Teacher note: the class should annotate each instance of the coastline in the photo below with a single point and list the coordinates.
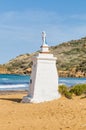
(60, 114)
(10, 92)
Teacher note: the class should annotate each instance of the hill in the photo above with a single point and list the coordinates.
(71, 59)
(3, 70)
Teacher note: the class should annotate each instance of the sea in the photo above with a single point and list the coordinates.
(21, 82)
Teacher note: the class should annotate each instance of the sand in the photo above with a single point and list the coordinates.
(61, 114)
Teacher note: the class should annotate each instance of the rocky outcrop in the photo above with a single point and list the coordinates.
(4, 70)
(71, 74)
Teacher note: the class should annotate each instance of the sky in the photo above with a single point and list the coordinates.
(22, 22)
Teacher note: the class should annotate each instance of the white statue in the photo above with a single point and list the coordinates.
(43, 38)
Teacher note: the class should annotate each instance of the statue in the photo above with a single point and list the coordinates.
(43, 38)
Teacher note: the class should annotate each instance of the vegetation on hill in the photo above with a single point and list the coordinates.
(71, 59)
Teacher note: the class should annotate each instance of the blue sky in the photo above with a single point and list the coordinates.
(22, 21)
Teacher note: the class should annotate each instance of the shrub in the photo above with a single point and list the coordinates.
(68, 94)
(62, 89)
(78, 89)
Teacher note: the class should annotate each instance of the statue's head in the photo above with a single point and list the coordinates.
(43, 34)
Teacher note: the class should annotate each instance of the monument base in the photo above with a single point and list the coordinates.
(28, 99)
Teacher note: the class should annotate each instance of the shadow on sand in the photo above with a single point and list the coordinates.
(83, 97)
(18, 100)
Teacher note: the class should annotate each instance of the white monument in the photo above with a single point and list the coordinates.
(44, 77)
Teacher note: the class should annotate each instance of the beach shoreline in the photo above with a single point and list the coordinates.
(10, 92)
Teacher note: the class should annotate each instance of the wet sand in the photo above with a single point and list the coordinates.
(61, 114)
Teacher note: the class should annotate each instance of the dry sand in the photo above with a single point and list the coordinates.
(61, 114)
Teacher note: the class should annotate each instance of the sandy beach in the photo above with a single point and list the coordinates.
(61, 114)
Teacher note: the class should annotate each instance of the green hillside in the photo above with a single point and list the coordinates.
(71, 59)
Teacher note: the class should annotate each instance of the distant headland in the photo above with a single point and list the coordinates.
(71, 60)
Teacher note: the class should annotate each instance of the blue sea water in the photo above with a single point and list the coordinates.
(14, 82)
(21, 82)
(72, 81)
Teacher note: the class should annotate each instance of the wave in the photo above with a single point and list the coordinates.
(5, 79)
(19, 82)
(14, 87)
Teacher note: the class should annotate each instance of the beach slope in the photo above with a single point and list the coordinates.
(61, 114)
